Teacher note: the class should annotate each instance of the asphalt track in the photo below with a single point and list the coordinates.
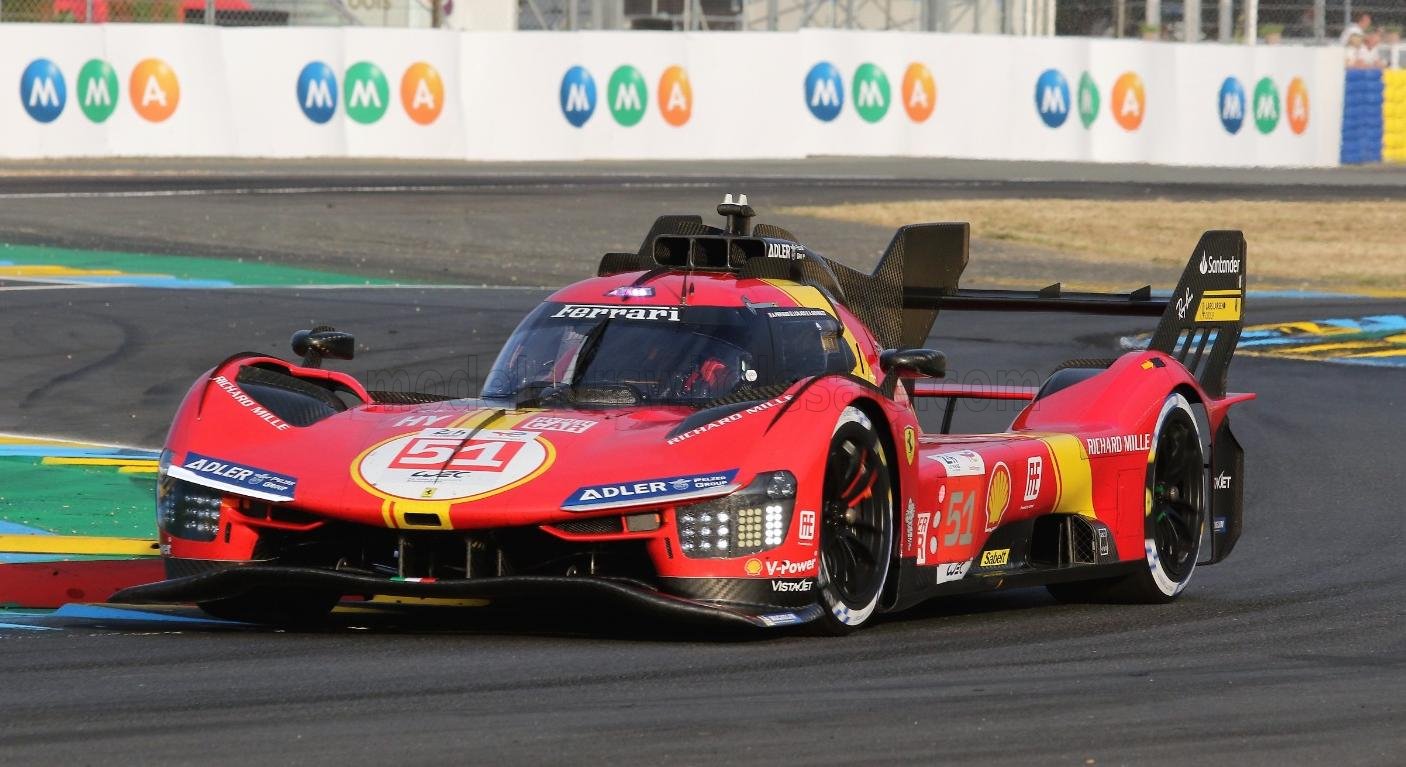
(1290, 651)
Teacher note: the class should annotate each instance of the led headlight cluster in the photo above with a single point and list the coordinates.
(750, 520)
(187, 510)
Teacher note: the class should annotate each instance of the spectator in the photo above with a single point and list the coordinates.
(1358, 27)
(1372, 51)
(1391, 39)
(1353, 52)
(1360, 55)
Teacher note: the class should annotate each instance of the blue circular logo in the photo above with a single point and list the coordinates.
(578, 96)
(825, 91)
(42, 90)
(317, 92)
(1052, 97)
(1230, 104)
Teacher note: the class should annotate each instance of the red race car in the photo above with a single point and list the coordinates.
(719, 427)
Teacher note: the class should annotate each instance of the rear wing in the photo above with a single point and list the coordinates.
(1200, 324)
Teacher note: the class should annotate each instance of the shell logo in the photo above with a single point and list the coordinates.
(422, 93)
(1297, 107)
(998, 496)
(1129, 101)
(155, 90)
(919, 94)
(675, 96)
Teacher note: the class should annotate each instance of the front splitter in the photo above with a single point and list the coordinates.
(577, 591)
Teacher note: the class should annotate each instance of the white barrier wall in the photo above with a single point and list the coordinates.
(134, 90)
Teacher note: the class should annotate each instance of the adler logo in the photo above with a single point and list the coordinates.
(1219, 265)
(784, 250)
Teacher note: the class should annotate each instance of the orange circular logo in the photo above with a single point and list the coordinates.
(1129, 101)
(919, 92)
(422, 93)
(675, 96)
(154, 89)
(1297, 106)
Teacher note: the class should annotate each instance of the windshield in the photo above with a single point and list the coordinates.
(625, 355)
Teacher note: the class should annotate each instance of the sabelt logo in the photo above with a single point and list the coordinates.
(784, 567)
(154, 90)
(366, 92)
(870, 92)
(627, 96)
(1219, 265)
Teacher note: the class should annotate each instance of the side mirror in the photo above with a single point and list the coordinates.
(322, 342)
(914, 363)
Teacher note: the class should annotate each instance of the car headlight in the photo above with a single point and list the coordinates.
(187, 510)
(750, 520)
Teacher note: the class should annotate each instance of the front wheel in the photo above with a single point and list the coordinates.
(856, 533)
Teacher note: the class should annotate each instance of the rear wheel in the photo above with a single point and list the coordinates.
(1174, 517)
(856, 533)
(274, 607)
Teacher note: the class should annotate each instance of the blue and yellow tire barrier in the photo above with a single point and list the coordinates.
(1363, 111)
(1394, 115)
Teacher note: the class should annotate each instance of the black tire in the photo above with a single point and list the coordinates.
(856, 531)
(1173, 522)
(274, 607)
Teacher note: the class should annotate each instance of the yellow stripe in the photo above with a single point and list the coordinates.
(428, 601)
(1231, 293)
(464, 421)
(1383, 353)
(809, 297)
(41, 270)
(78, 544)
(63, 461)
(11, 439)
(1075, 491)
(152, 469)
(1339, 346)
